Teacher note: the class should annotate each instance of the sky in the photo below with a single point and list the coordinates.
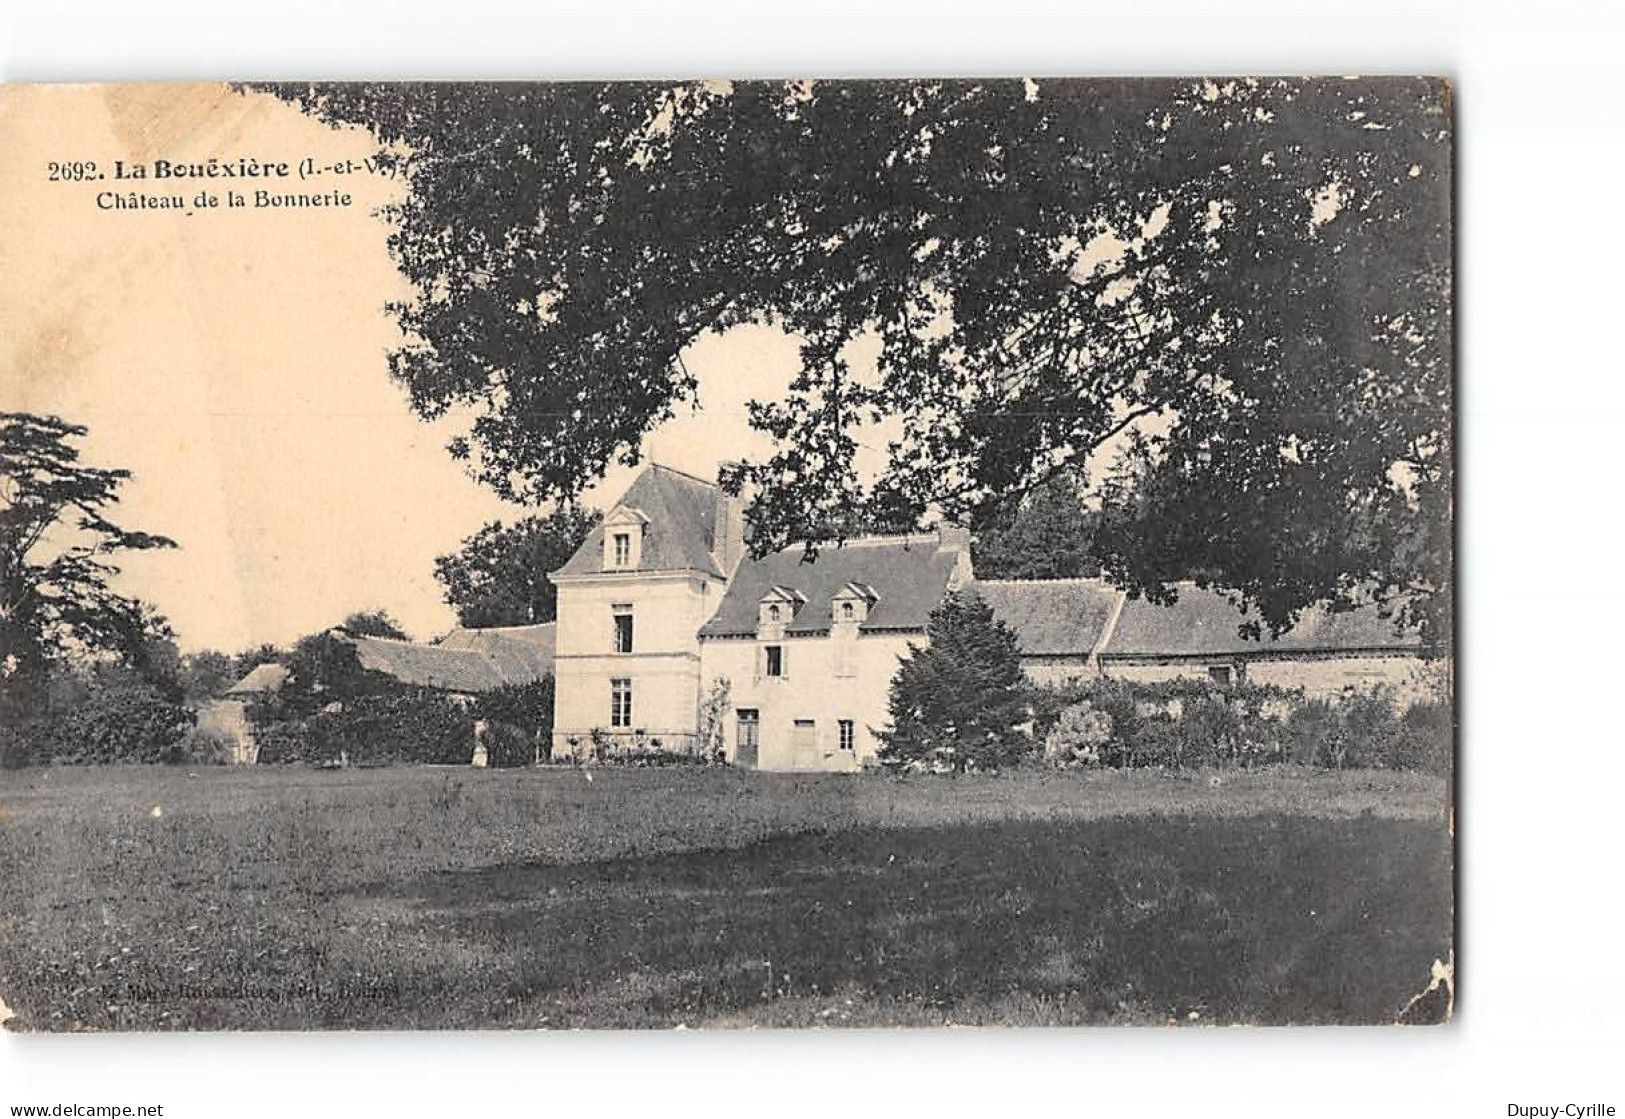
(235, 361)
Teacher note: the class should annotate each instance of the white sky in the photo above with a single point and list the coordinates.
(236, 363)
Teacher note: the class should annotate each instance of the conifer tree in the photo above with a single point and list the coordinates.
(961, 699)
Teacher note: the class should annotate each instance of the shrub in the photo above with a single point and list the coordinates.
(1314, 735)
(208, 746)
(508, 746)
(651, 756)
(714, 720)
(1426, 738)
(17, 746)
(527, 707)
(1210, 731)
(124, 723)
(1079, 734)
(1370, 726)
(1157, 743)
(425, 728)
(284, 743)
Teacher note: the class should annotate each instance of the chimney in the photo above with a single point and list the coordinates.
(952, 537)
(728, 528)
(955, 540)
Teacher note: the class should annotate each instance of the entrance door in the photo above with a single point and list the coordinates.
(750, 726)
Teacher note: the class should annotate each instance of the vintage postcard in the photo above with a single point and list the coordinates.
(731, 554)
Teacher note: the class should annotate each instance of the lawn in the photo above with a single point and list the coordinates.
(415, 897)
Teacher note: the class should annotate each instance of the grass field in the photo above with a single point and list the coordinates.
(413, 897)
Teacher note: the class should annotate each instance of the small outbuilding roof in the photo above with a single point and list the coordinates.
(264, 679)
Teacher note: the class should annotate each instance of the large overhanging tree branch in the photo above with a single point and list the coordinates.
(1261, 267)
(57, 547)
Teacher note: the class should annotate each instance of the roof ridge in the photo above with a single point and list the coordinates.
(653, 465)
(501, 629)
(869, 541)
(1084, 579)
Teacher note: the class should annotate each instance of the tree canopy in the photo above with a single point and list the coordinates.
(1250, 280)
(58, 544)
(1048, 534)
(499, 576)
(373, 623)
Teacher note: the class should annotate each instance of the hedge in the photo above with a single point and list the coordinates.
(1184, 724)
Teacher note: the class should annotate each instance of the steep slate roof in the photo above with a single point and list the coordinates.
(261, 679)
(1204, 623)
(1052, 617)
(681, 510)
(520, 653)
(909, 574)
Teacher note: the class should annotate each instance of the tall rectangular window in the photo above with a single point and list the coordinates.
(775, 660)
(623, 549)
(620, 703)
(849, 734)
(623, 628)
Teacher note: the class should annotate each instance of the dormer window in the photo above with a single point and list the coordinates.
(851, 604)
(778, 606)
(623, 539)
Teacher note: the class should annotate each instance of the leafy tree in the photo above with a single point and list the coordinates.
(323, 668)
(499, 576)
(962, 698)
(373, 623)
(1048, 534)
(57, 545)
(1260, 267)
(206, 673)
(266, 653)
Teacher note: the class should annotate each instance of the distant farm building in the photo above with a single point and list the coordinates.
(228, 715)
(464, 662)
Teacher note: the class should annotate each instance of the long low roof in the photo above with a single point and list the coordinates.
(468, 660)
(520, 653)
(1059, 617)
(1205, 623)
(1074, 617)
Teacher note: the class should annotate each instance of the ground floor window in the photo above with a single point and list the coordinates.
(848, 734)
(750, 728)
(620, 703)
(1219, 674)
